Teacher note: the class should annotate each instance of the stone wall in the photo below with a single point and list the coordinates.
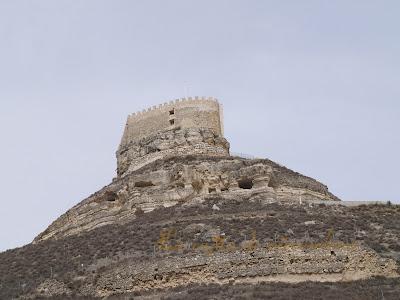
(181, 113)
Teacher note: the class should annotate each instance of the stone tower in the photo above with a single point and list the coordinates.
(180, 127)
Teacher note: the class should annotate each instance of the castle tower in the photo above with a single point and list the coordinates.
(180, 127)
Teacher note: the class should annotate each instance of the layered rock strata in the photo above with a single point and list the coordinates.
(137, 153)
(325, 263)
(167, 182)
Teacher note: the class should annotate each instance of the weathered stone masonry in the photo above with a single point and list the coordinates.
(180, 127)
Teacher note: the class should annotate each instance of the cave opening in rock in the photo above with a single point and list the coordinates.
(245, 184)
(144, 184)
(110, 196)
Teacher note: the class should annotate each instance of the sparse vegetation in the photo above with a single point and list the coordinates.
(377, 288)
(89, 254)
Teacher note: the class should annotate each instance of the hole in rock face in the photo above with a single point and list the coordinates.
(172, 122)
(333, 253)
(110, 196)
(143, 184)
(212, 190)
(172, 112)
(245, 184)
(180, 185)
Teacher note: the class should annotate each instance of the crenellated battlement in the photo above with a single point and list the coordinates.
(193, 117)
(155, 109)
(191, 112)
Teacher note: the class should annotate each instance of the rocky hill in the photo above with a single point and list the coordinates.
(185, 220)
(187, 179)
(244, 246)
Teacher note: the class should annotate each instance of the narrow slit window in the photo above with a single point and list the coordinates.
(172, 122)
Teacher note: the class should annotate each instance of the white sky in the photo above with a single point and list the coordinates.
(314, 85)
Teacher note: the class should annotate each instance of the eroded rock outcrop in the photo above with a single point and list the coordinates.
(330, 262)
(181, 178)
(163, 145)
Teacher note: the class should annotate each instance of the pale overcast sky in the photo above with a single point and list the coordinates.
(313, 85)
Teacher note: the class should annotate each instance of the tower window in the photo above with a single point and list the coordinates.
(172, 122)
(172, 112)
